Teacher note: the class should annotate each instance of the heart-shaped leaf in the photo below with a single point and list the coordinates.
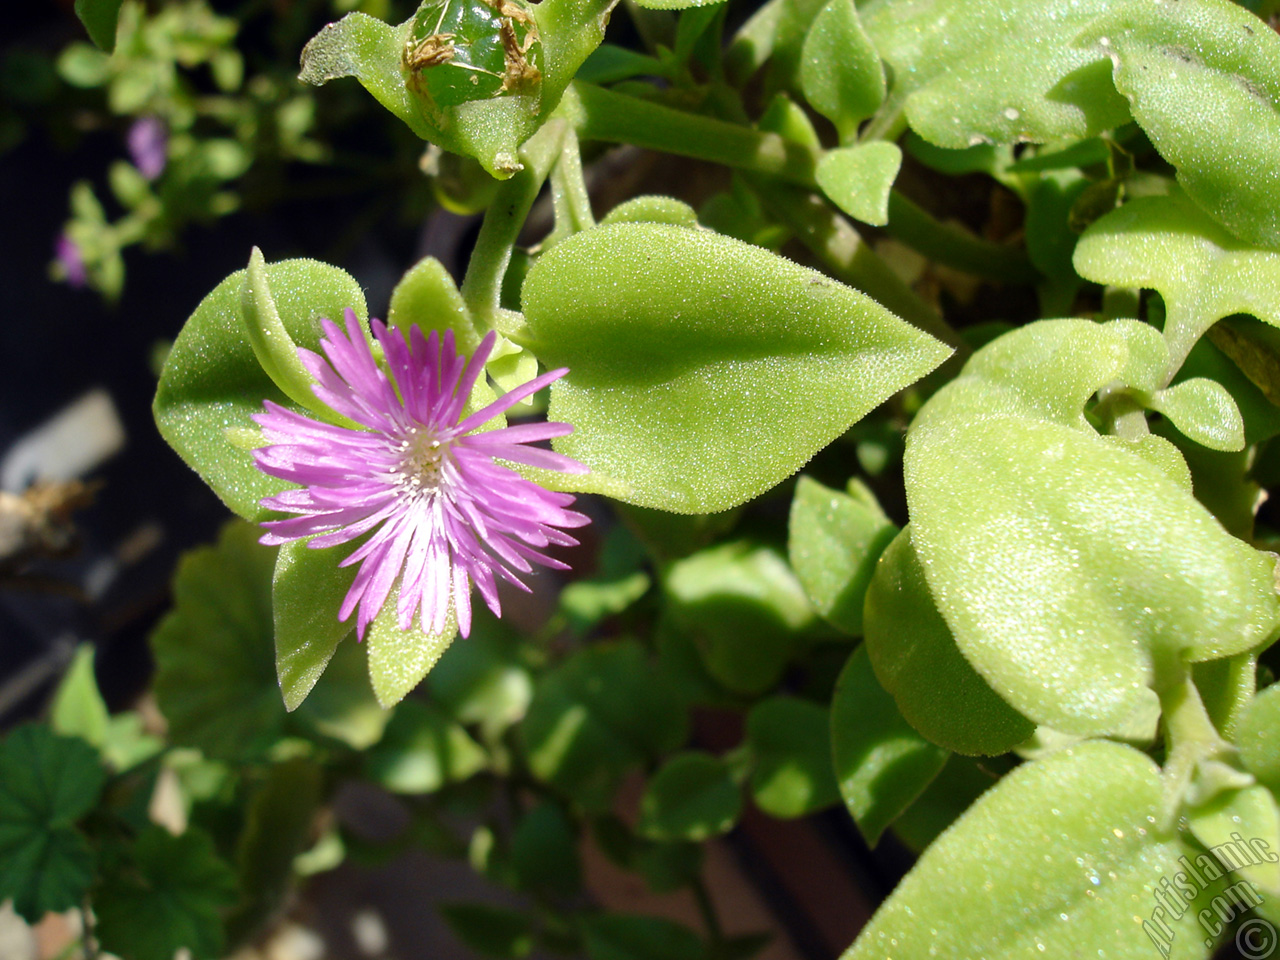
(685, 348)
(212, 383)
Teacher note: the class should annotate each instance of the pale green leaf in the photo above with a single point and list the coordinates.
(684, 348)
(916, 659)
(971, 71)
(840, 71)
(1203, 82)
(1202, 272)
(399, 659)
(1062, 859)
(834, 540)
(859, 179)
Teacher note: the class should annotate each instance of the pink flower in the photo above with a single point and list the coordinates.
(443, 513)
(148, 141)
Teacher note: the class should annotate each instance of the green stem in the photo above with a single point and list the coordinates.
(1191, 739)
(850, 259)
(616, 118)
(482, 285)
(954, 247)
(604, 115)
(569, 195)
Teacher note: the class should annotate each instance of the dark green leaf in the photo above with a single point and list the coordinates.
(278, 824)
(790, 743)
(544, 851)
(493, 931)
(422, 750)
(602, 711)
(165, 893)
(617, 936)
(47, 783)
(100, 18)
(214, 678)
(692, 797)
(881, 762)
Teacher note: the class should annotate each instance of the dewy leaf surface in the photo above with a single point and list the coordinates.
(1202, 272)
(212, 383)
(1203, 81)
(703, 370)
(1061, 859)
(1064, 563)
(916, 659)
(994, 70)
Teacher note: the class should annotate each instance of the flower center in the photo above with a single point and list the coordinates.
(422, 457)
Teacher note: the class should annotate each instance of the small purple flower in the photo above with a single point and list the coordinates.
(445, 513)
(148, 141)
(67, 253)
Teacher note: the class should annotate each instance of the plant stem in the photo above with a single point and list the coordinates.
(954, 247)
(604, 115)
(601, 114)
(482, 285)
(569, 194)
(92, 949)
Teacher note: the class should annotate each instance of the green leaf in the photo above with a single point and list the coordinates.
(212, 383)
(833, 542)
(1257, 740)
(675, 4)
(492, 931)
(653, 209)
(422, 750)
(165, 893)
(1232, 825)
(745, 610)
(881, 763)
(859, 179)
(684, 348)
(840, 71)
(1074, 870)
(278, 822)
(993, 70)
(426, 297)
(692, 797)
(466, 111)
(1242, 354)
(307, 589)
(47, 783)
(1202, 272)
(544, 850)
(78, 709)
(214, 681)
(788, 738)
(1005, 479)
(483, 680)
(952, 792)
(100, 18)
(399, 659)
(1204, 411)
(592, 718)
(618, 936)
(1203, 81)
(343, 707)
(916, 659)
